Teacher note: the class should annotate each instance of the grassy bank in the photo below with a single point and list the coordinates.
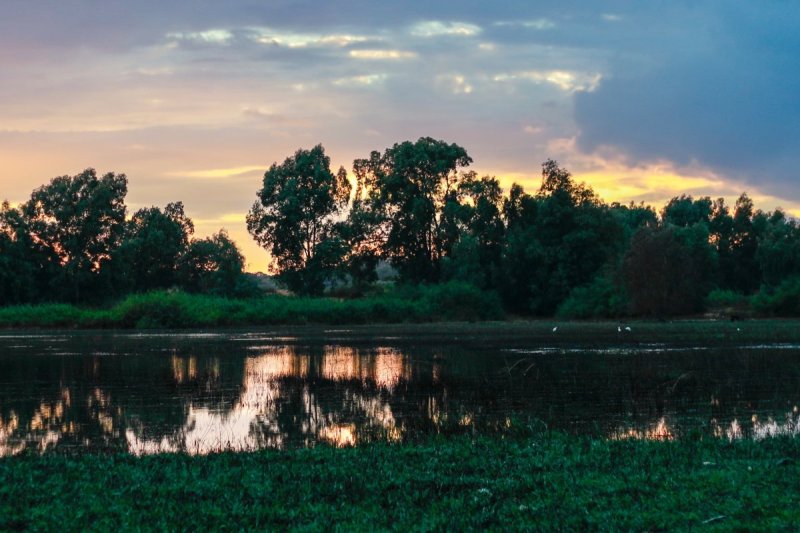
(549, 481)
(452, 301)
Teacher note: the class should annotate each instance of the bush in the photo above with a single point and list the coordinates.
(42, 316)
(600, 299)
(163, 309)
(457, 300)
(783, 301)
(166, 309)
(725, 298)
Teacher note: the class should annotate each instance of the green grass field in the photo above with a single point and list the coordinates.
(533, 482)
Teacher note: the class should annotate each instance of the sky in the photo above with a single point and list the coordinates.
(194, 100)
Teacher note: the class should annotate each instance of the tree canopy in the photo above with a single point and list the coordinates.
(409, 188)
(71, 242)
(294, 218)
(416, 209)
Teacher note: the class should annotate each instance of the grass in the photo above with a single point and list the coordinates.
(419, 312)
(162, 309)
(548, 481)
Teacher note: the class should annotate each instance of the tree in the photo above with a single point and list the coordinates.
(746, 274)
(778, 253)
(213, 265)
(18, 265)
(474, 221)
(408, 188)
(154, 242)
(666, 270)
(683, 211)
(78, 220)
(294, 218)
(721, 236)
(556, 241)
(633, 217)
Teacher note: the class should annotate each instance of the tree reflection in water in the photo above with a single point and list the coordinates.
(200, 394)
(286, 398)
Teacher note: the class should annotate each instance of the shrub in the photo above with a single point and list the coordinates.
(601, 298)
(783, 301)
(457, 300)
(725, 298)
(167, 309)
(43, 316)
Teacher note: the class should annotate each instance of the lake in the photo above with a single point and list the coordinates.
(202, 392)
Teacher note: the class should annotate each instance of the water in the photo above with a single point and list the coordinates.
(205, 392)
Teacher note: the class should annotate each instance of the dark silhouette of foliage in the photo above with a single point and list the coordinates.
(77, 221)
(475, 257)
(154, 243)
(18, 265)
(684, 211)
(294, 218)
(632, 217)
(408, 188)
(745, 273)
(778, 253)
(418, 213)
(213, 265)
(783, 300)
(557, 240)
(603, 297)
(71, 242)
(666, 271)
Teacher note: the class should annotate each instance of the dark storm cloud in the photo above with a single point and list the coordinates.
(725, 96)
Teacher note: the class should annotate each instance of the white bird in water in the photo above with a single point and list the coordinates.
(555, 329)
(628, 329)
(619, 329)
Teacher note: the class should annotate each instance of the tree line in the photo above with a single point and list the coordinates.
(72, 242)
(557, 250)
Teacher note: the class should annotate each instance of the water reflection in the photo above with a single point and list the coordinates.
(205, 393)
(771, 428)
(659, 431)
(268, 395)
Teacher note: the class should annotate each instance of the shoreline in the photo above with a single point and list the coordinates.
(679, 331)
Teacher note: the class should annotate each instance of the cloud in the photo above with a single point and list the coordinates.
(435, 28)
(213, 36)
(363, 80)
(455, 83)
(564, 80)
(647, 93)
(725, 99)
(537, 24)
(303, 40)
(382, 54)
(216, 173)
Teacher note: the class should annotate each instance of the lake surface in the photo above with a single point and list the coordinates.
(205, 392)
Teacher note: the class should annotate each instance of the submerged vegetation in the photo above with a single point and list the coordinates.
(521, 481)
(559, 251)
